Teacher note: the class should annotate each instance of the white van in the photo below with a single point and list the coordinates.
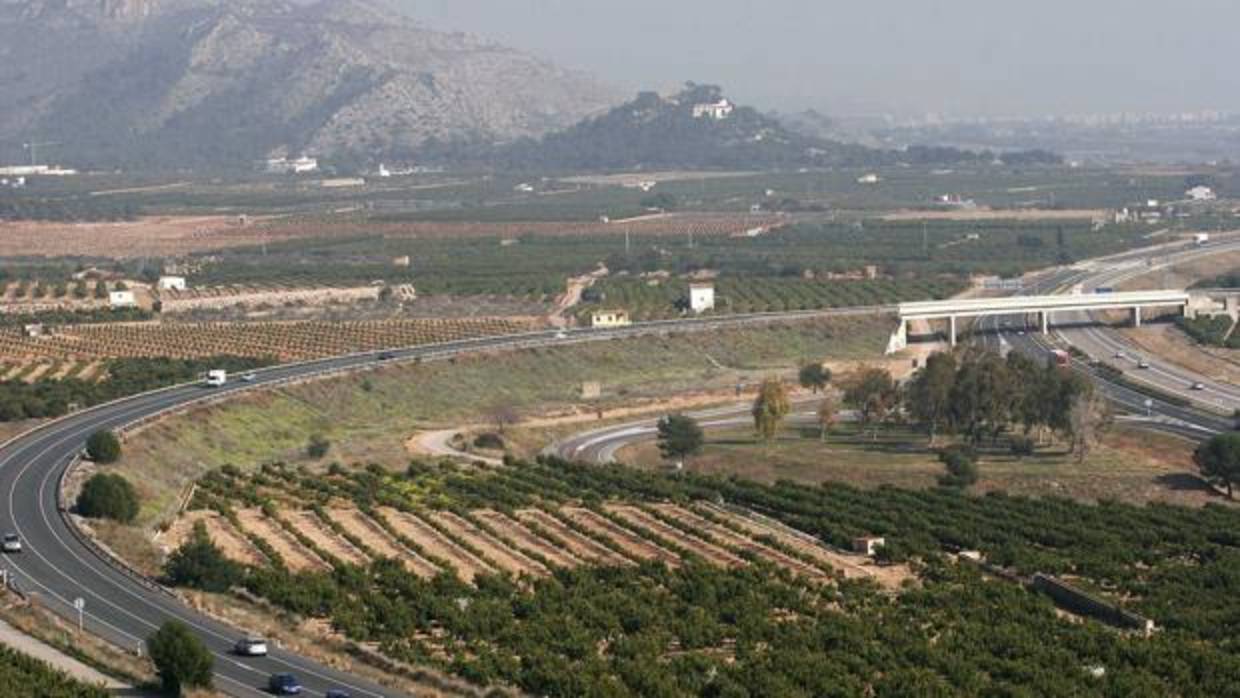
(216, 378)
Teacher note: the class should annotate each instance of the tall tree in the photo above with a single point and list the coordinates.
(928, 397)
(181, 659)
(828, 414)
(1219, 460)
(680, 436)
(814, 376)
(770, 408)
(873, 393)
(1089, 418)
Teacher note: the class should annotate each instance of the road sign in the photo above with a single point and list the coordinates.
(1149, 407)
(80, 604)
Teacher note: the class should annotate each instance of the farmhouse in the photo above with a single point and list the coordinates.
(1200, 193)
(715, 110)
(868, 545)
(610, 318)
(122, 299)
(172, 283)
(301, 165)
(868, 178)
(701, 297)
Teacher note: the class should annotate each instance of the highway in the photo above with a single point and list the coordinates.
(60, 566)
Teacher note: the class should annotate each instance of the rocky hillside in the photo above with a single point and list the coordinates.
(227, 82)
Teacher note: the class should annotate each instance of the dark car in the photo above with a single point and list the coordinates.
(335, 693)
(387, 356)
(284, 685)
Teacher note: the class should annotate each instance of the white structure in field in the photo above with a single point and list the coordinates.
(715, 110)
(301, 165)
(701, 297)
(610, 318)
(122, 299)
(172, 283)
(868, 178)
(1200, 193)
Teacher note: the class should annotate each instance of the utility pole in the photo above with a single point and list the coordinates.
(925, 239)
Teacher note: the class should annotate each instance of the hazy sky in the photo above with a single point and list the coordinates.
(955, 56)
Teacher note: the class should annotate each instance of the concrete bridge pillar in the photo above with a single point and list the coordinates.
(1044, 319)
(899, 338)
(1136, 316)
(951, 322)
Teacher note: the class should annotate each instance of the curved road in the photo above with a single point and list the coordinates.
(124, 608)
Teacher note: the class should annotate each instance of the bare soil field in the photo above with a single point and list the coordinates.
(630, 542)
(435, 544)
(507, 558)
(639, 519)
(381, 542)
(582, 547)
(295, 555)
(151, 236)
(226, 538)
(307, 523)
(736, 541)
(522, 537)
(632, 180)
(983, 214)
(851, 566)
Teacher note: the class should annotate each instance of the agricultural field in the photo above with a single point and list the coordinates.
(283, 341)
(656, 299)
(563, 580)
(22, 675)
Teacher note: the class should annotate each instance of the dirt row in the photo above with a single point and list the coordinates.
(530, 542)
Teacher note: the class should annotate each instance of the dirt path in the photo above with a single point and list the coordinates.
(503, 556)
(439, 445)
(639, 518)
(738, 542)
(633, 544)
(380, 541)
(309, 525)
(582, 547)
(525, 539)
(466, 565)
(295, 555)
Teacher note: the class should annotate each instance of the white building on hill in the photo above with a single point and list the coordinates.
(122, 299)
(1200, 193)
(701, 297)
(715, 110)
(172, 283)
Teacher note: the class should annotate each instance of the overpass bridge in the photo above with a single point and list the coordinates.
(1044, 306)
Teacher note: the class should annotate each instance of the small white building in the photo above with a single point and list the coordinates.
(868, 545)
(610, 318)
(714, 110)
(868, 178)
(301, 165)
(172, 283)
(701, 297)
(1200, 193)
(524, 188)
(122, 299)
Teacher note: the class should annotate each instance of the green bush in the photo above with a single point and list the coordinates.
(489, 440)
(181, 659)
(103, 447)
(1021, 446)
(318, 446)
(961, 468)
(198, 564)
(108, 496)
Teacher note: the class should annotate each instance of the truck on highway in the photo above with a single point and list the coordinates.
(216, 378)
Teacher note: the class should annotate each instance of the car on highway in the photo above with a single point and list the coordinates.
(284, 684)
(249, 377)
(1197, 386)
(251, 646)
(561, 335)
(386, 356)
(335, 693)
(1143, 364)
(1119, 354)
(11, 543)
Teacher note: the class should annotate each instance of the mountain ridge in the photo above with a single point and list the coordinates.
(201, 82)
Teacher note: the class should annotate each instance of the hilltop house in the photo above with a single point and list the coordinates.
(715, 110)
(610, 318)
(701, 297)
(1200, 193)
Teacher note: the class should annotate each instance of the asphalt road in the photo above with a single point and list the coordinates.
(124, 608)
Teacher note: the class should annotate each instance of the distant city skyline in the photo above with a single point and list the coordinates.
(955, 57)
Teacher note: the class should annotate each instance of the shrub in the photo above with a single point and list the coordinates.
(108, 496)
(198, 564)
(1021, 446)
(318, 446)
(489, 440)
(103, 447)
(961, 468)
(181, 659)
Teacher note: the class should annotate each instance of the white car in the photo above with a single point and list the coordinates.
(251, 647)
(561, 335)
(11, 544)
(1197, 386)
(249, 377)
